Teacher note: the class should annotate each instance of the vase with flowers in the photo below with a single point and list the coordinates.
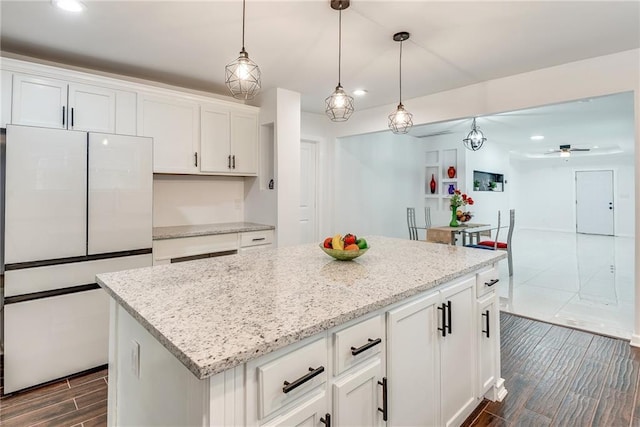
(458, 199)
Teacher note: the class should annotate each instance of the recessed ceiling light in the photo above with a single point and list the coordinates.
(537, 137)
(595, 146)
(359, 92)
(69, 5)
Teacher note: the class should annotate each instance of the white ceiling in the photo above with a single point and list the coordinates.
(295, 43)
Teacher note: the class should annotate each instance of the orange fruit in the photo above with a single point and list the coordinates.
(352, 247)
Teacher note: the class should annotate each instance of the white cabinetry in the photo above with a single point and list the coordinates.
(431, 358)
(45, 102)
(173, 125)
(253, 240)
(229, 140)
(355, 396)
(488, 335)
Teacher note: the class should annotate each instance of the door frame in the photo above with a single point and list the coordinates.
(614, 184)
(316, 211)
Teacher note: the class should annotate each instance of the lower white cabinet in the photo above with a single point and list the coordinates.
(311, 413)
(488, 342)
(431, 358)
(355, 396)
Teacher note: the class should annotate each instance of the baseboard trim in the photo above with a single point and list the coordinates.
(635, 340)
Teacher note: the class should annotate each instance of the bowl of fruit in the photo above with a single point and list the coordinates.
(464, 216)
(344, 248)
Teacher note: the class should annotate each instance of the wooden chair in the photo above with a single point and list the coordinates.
(497, 245)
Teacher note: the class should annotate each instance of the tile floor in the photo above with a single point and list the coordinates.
(578, 280)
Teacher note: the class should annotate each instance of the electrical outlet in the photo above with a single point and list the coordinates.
(135, 358)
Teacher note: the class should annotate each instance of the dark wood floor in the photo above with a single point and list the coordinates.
(555, 376)
(558, 376)
(77, 401)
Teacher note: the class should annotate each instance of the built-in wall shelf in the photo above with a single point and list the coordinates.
(488, 181)
(446, 167)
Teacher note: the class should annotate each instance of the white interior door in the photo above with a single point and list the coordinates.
(594, 202)
(120, 193)
(308, 192)
(46, 194)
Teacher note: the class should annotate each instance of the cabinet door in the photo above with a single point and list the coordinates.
(458, 353)
(244, 143)
(39, 102)
(173, 125)
(488, 344)
(355, 397)
(215, 140)
(413, 353)
(307, 414)
(91, 108)
(120, 193)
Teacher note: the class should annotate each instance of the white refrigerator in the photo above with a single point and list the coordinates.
(76, 204)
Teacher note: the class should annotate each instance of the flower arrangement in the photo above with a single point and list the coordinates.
(459, 199)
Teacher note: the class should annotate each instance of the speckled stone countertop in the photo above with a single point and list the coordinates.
(161, 233)
(216, 313)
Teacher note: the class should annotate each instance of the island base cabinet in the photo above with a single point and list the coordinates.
(355, 397)
(488, 343)
(312, 413)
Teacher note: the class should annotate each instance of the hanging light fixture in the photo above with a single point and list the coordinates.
(339, 105)
(242, 76)
(475, 138)
(400, 120)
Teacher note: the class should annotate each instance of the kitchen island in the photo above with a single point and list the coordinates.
(285, 336)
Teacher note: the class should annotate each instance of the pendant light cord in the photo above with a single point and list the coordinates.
(401, 72)
(339, 42)
(243, 8)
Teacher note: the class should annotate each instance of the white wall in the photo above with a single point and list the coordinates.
(376, 177)
(544, 191)
(191, 200)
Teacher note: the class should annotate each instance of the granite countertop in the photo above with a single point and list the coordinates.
(217, 313)
(161, 233)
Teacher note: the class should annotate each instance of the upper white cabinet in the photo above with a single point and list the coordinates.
(173, 125)
(45, 102)
(229, 140)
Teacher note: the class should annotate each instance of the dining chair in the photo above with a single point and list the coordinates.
(411, 223)
(496, 244)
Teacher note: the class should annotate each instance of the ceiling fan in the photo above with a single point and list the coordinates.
(565, 150)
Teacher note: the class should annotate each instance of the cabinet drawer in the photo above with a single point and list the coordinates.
(190, 246)
(254, 238)
(357, 343)
(486, 281)
(291, 376)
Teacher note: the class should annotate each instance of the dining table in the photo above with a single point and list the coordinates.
(448, 235)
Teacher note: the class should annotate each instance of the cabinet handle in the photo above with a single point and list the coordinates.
(63, 114)
(491, 282)
(449, 317)
(442, 308)
(297, 383)
(229, 162)
(326, 420)
(384, 409)
(486, 316)
(258, 239)
(195, 156)
(367, 346)
(72, 116)
(234, 161)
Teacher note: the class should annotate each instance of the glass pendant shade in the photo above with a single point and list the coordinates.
(475, 138)
(242, 77)
(339, 105)
(400, 120)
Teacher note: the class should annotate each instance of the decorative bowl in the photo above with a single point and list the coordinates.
(343, 255)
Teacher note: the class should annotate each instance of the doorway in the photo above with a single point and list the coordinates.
(594, 202)
(308, 191)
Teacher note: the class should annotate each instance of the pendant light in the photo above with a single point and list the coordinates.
(475, 138)
(400, 120)
(242, 76)
(339, 105)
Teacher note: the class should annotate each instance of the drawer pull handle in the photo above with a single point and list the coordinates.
(229, 161)
(258, 239)
(297, 383)
(326, 420)
(234, 161)
(384, 409)
(443, 310)
(491, 282)
(486, 316)
(367, 346)
(449, 317)
(63, 114)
